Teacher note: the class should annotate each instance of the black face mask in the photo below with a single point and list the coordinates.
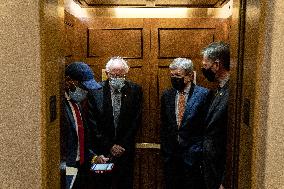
(209, 74)
(178, 83)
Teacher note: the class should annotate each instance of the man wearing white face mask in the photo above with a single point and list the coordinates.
(117, 111)
(76, 149)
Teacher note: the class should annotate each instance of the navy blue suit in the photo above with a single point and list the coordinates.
(69, 145)
(182, 159)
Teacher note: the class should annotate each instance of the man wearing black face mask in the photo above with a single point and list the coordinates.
(76, 151)
(117, 111)
(216, 67)
(181, 128)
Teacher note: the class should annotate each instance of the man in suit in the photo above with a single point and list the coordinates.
(76, 153)
(216, 68)
(117, 111)
(181, 128)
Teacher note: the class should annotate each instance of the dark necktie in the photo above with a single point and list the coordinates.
(80, 131)
(181, 107)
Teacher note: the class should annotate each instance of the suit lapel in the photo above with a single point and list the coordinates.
(124, 98)
(172, 105)
(189, 104)
(107, 103)
(99, 99)
(70, 114)
(216, 102)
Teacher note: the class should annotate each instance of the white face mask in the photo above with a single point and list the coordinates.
(116, 83)
(78, 95)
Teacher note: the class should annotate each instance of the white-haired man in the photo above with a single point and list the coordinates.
(116, 109)
(182, 114)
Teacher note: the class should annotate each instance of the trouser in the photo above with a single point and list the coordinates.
(179, 175)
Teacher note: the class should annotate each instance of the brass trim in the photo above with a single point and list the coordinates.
(148, 145)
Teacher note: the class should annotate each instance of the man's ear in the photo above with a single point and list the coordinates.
(190, 76)
(106, 72)
(218, 64)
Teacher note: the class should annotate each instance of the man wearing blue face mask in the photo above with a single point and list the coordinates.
(76, 149)
(117, 111)
(182, 116)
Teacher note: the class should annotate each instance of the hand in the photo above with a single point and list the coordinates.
(117, 150)
(221, 187)
(101, 159)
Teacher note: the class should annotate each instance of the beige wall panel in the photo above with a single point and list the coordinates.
(274, 172)
(30, 58)
(20, 111)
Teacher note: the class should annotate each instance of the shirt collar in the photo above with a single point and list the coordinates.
(187, 89)
(224, 81)
(67, 96)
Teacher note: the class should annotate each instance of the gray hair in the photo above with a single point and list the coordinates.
(218, 51)
(117, 59)
(182, 63)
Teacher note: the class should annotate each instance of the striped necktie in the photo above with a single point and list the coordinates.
(181, 107)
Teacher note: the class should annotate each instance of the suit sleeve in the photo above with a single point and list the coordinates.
(136, 115)
(91, 129)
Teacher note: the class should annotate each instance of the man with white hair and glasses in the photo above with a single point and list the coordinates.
(116, 109)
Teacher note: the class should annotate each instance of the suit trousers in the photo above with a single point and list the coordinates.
(179, 175)
(81, 181)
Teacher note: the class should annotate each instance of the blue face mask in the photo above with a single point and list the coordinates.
(78, 95)
(117, 83)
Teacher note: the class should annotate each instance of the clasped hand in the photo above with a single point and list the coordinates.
(117, 150)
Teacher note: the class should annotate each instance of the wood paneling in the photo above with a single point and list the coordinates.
(103, 42)
(176, 42)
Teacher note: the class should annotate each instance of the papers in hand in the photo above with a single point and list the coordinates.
(71, 173)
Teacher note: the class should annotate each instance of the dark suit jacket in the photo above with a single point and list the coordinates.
(101, 113)
(69, 138)
(214, 145)
(190, 130)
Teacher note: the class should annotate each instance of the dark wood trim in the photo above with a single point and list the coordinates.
(68, 23)
(184, 6)
(236, 106)
(112, 5)
(220, 3)
(84, 4)
(88, 45)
